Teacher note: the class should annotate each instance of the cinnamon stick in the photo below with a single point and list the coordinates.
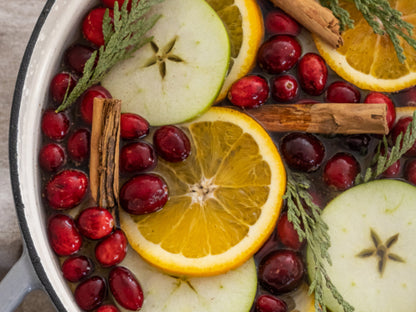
(104, 158)
(314, 17)
(338, 118)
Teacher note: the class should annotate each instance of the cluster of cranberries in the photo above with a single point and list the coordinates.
(285, 75)
(64, 159)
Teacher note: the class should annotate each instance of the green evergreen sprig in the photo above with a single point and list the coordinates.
(381, 17)
(310, 226)
(123, 35)
(383, 159)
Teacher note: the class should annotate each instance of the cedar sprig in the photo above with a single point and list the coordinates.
(310, 226)
(381, 17)
(383, 159)
(122, 37)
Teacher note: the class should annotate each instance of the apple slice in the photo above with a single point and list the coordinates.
(233, 291)
(179, 74)
(373, 229)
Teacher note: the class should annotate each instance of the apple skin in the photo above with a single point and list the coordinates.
(385, 207)
(178, 76)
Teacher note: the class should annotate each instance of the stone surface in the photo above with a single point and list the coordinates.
(17, 19)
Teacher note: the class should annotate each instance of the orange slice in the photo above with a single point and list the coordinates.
(369, 60)
(224, 199)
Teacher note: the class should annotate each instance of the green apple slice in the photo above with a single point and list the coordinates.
(373, 230)
(179, 74)
(233, 291)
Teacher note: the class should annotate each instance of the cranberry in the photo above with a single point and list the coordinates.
(138, 156)
(77, 55)
(313, 73)
(340, 171)
(287, 233)
(279, 54)
(377, 97)
(92, 26)
(90, 293)
(410, 171)
(281, 271)
(108, 308)
(51, 157)
(111, 250)
(133, 126)
(267, 303)
(171, 143)
(63, 236)
(95, 222)
(279, 23)
(284, 88)
(60, 84)
(249, 92)
(54, 125)
(358, 142)
(78, 145)
(125, 288)
(407, 97)
(342, 92)
(143, 194)
(302, 151)
(66, 189)
(87, 100)
(76, 268)
(400, 128)
(393, 171)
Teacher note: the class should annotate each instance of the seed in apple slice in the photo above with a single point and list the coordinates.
(373, 229)
(233, 291)
(178, 75)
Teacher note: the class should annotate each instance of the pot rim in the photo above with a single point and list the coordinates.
(13, 157)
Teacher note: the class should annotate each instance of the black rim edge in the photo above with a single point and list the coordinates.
(14, 174)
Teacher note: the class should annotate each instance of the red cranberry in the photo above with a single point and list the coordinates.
(125, 288)
(267, 303)
(287, 233)
(410, 171)
(78, 145)
(92, 26)
(111, 250)
(278, 54)
(76, 268)
(87, 100)
(249, 92)
(63, 236)
(302, 151)
(108, 308)
(358, 142)
(95, 222)
(284, 88)
(377, 97)
(77, 55)
(171, 143)
(393, 171)
(110, 3)
(60, 84)
(279, 23)
(400, 128)
(143, 194)
(66, 189)
(90, 293)
(133, 126)
(51, 157)
(138, 156)
(54, 125)
(313, 73)
(342, 92)
(281, 271)
(407, 97)
(340, 171)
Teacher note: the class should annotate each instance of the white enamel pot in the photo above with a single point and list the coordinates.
(56, 28)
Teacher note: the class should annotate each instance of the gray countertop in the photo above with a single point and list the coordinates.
(17, 19)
